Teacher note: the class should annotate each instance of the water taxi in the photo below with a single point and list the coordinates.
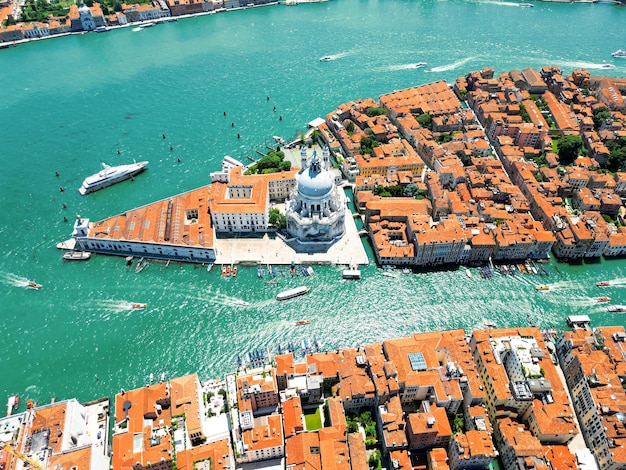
(137, 306)
(616, 308)
(543, 287)
(291, 293)
(76, 255)
(303, 322)
(33, 285)
(603, 299)
(602, 284)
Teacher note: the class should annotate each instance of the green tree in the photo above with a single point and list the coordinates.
(277, 219)
(411, 190)
(616, 159)
(285, 165)
(374, 111)
(600, 115)
(568, 148)
(350, 127)
(425, 120)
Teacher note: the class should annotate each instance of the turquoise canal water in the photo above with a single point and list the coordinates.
(68, 104)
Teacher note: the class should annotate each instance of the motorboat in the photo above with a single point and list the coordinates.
(619, 53)
(13, 404)
(603, 299)
(291, 293)
(279, 140)
(76, 255)
(101, 29)
(137, 306)
(468, 273)
(352, 273)
(602, 284)
(607, 66)
(110, 175)
(33, 285)
(420, 65)
(326, 58)
(616, 308)
(389, 274)
(489, 324)
(303, 322)
(543, 287)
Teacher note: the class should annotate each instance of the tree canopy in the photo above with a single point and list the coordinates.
(568, 148)
(273, 162)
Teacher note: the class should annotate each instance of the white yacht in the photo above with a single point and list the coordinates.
(291, 293)
(619, 53)
(110, 175)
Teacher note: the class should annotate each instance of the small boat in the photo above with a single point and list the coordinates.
(137, 306)
(12, 404)
(603, 299)
(607, 66)
(602, 284)
(420, 65)
(616, 308)
(234, 271)
(279, 140)
(303, 322)
(149, 24)
(352, 273)
(141, 265)
(291, 293)
(241, 303)
(33, 285)
(543, 287)
(406, 271)
(526, 5)
(619, 53)
(101, 29)
(389, 274)
(489, 324)
(326, 58)
(468, 273)
(76, 255)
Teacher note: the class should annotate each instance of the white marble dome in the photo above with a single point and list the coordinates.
(315, 183)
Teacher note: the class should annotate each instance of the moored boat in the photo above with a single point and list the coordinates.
(602, 284)
(543, 287)
(110, 175)
(303, 322)
(468, 273)
(291, 293)
(603, 299)
(352, 273)
(76, 255)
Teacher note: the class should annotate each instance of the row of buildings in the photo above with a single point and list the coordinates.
(91, 18)
(438, 400)
(470, 153)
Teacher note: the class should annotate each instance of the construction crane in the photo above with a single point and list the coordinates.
(24, 458)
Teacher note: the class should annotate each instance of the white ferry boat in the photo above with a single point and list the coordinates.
(619, 53)
(110, 175)
(291, 293)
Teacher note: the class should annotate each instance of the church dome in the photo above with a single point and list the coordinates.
(315, 182)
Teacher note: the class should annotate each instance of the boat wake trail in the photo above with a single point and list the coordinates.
(114, 306)
(216, 298)
(504, 4)
(619, 282)
(582, 64)
(14, 280)
(404, 67)
(454, 65)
